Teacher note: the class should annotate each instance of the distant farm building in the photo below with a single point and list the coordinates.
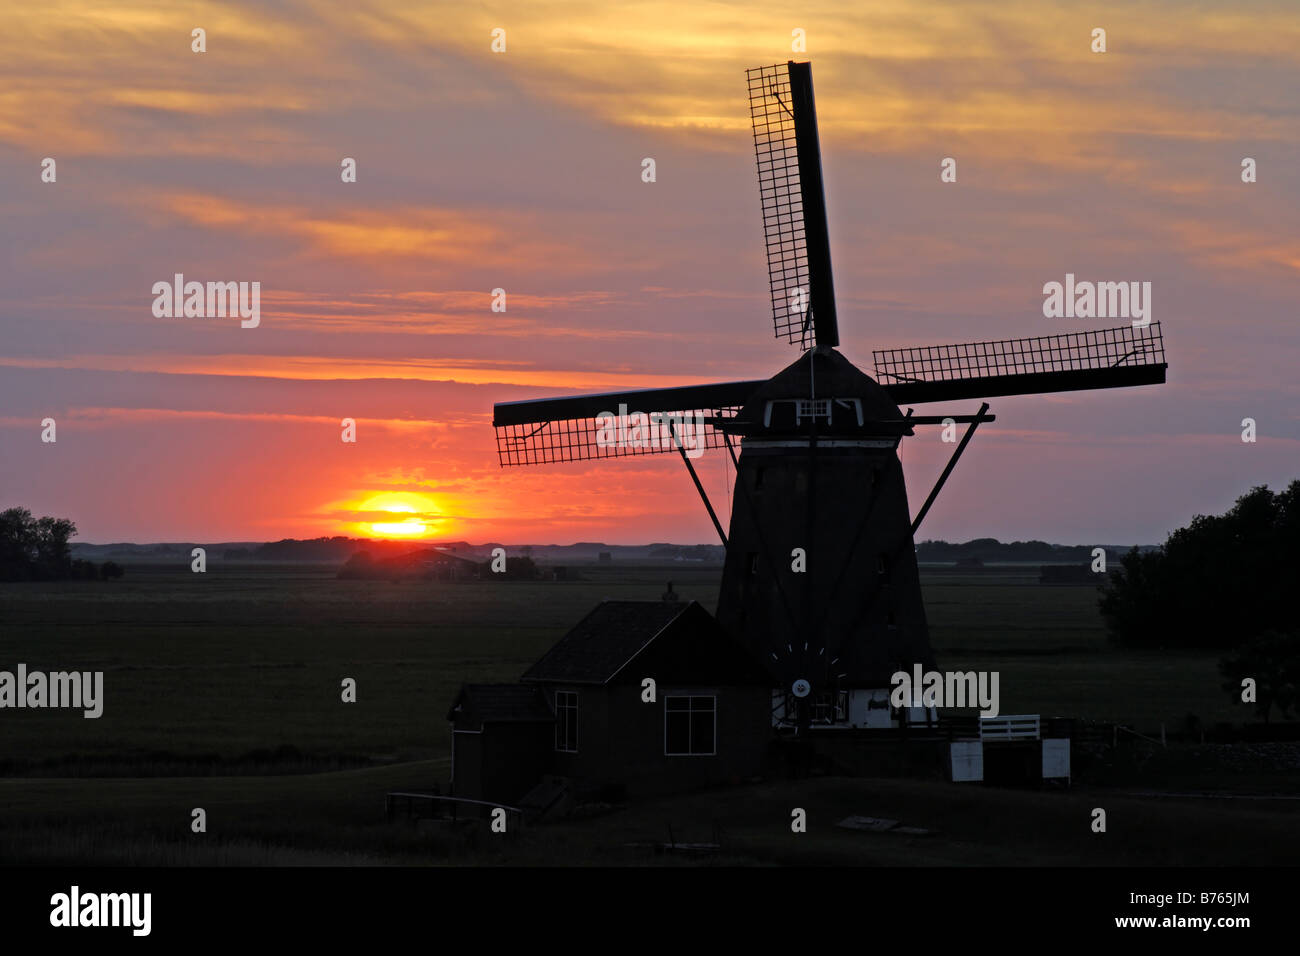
(427, 564)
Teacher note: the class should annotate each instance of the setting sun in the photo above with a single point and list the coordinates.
(411, 527)
(418, 515)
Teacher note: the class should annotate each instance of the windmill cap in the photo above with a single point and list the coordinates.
(824, 373)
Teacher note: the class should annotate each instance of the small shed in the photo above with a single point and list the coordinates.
(501, 736)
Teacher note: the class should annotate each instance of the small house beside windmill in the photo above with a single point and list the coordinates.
(639, 697)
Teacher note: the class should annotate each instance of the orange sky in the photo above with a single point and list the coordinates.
(521, 170)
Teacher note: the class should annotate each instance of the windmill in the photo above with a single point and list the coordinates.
(820, 579)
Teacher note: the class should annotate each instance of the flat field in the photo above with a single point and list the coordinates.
(223, 692)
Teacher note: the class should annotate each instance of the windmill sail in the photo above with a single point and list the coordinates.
(1102, 358)
(786, 147)
(616, 424)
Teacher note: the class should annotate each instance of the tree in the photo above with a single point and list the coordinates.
(53, 553)
(17, 547)
(34, 549)
(110, 570)
(1217, 583)
(80, 570)
(1272, 660)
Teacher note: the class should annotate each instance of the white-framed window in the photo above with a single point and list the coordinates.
(566, 721)
(690, 725)
(831, 707)
(824, 709)
(812, 409)
(809, 409)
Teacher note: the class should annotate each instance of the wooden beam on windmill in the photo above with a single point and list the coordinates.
(821, 287)
(974, 423)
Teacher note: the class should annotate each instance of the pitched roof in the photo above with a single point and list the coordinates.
(499, 703)
(606, 639)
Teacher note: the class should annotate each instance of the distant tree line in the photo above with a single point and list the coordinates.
(37, 549)
(1225, 582)
(337, 548)
(690, 552)
(991, 550)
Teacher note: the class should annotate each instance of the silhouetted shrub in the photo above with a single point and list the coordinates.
(34, 549)
(1272, 660)
(1218, 583)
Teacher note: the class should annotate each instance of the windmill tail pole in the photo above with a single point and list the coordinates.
(672, 428)
(952, 463)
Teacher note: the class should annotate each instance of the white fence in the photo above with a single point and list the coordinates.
(1010, 727)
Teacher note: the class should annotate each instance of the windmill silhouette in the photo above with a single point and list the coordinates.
(820, 580)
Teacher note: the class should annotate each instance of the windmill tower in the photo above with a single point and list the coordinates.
(820, 580)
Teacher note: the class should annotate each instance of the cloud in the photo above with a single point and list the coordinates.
(321, 369)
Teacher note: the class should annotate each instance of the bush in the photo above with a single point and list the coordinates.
(35, 549)
(1217, 583)
(1272, 660)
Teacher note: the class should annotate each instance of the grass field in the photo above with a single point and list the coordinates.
(223, 691)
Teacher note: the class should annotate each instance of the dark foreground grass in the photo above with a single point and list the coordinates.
(336, 819)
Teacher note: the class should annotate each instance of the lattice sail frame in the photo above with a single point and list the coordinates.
(622, 435)
(777, 154)
(1099, 349)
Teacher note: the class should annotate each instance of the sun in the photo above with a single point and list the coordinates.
(410, 528)
(421, 510)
